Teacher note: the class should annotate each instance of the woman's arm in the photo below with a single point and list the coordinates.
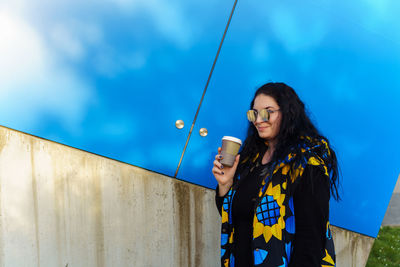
(311, 206)
(219, 201)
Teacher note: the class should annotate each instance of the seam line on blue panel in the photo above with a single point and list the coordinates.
(205, 88)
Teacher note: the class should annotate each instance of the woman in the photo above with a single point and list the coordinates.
(274, 200)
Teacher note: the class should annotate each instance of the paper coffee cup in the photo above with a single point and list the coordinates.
(229, 150)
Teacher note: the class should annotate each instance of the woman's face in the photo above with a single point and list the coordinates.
(268, 130)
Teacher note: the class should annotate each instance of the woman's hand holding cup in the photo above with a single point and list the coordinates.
(224, 174)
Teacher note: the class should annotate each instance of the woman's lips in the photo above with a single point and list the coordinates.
(261, 128)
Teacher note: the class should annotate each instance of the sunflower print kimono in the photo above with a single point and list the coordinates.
(274, 218)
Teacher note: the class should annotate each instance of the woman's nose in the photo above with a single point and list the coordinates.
(258, 119)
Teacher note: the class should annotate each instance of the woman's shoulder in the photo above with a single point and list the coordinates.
(316, 154)
(310, 147)
(318, 162)
(314, 151)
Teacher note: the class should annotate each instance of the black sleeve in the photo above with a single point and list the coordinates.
(311, 209)
(219, 200)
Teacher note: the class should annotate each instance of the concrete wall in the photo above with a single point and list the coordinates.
(397, 187)
(392, 215)
(352, 249)
(60, 206)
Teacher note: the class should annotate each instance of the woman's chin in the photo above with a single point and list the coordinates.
(263, 136)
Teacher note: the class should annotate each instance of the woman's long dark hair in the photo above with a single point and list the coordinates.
(295, 123)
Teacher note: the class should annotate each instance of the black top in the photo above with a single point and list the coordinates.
(311, 206)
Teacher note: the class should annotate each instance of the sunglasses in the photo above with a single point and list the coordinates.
(264, 113)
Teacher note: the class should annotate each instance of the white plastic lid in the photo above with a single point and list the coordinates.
(233, 139)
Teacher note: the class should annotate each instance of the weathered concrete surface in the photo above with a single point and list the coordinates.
(392, 215)
(397, 187)
(352, 249)
(60, 205)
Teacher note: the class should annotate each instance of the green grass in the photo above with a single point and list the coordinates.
(386, 248)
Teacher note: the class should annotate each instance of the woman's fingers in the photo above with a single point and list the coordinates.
(223, 174)
(218, 164)
(217, 170)
(218, 157)
(236, 160)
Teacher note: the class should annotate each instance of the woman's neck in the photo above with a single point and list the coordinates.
(269, 153)
(267, 156)
(272, 144)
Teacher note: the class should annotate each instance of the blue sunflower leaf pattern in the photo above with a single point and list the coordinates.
(328, 233)
(224, 239)
(226, 204)
(291, 205)
(290, 225)
(259, 256)
(288, 247)
(232, 260)
(284, 262)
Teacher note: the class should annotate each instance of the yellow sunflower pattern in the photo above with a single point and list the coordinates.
(275, 199)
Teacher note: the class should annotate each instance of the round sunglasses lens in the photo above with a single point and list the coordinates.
(264, 115)
(251, 115)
